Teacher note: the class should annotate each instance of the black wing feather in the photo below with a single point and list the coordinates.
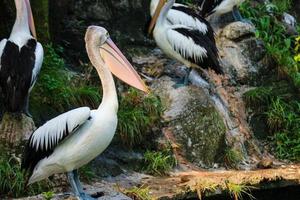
(207, 6)
(32, 155)
(189, 11)
(212, 58)
(16, 74)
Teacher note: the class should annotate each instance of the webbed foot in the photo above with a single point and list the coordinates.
(84, 196)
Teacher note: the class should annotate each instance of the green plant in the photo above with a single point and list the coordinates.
(202, 186)
(13, 179)
(138, 193)
(232, 157)
(276, 101)
(238, 190)
(159, 163)
(137, 115)
(87, 173)
(48, 195)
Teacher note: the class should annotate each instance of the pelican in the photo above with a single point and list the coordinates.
(182, 14)
(186, 44)
(74, 138)
(21, 58)
(220, 7)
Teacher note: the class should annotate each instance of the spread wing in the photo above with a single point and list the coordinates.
(194, 46)
(46, 138)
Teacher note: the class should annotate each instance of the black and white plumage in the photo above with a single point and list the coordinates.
(21, 58)
(183, 15)
(45, 139)
(186, 44)
(217, 7)
(73, 139)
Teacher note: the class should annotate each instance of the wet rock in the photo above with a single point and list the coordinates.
(197, 126)
(243, 56)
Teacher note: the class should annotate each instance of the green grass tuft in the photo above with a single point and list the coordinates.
(159, 163)
(239, 190)
(138, 114)
(13, 179)
(138, 193)
(233, 158)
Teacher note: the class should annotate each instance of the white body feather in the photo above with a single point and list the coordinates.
(177, 17)
(225, 6)
(168, 39)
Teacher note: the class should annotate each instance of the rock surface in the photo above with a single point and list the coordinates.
(125, 20)
(14, 128)
(243, 55)
(194, 121)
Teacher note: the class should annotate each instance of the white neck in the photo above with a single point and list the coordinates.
(21, 25)
(164, 12)
(110, 98)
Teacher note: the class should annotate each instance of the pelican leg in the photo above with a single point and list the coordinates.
(77, 181)
(82, 194)
(26, 109)
(236, 14)
(238, 17)
(73, 184)
(185, 80)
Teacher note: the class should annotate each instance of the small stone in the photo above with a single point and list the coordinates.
(265, 163)
(237, 30)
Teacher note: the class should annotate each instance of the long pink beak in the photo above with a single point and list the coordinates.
(120, 66)
(30, 19)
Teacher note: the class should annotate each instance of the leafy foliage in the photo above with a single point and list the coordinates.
(48, 195)
(277, 101)
(158, 163)
(273, 33)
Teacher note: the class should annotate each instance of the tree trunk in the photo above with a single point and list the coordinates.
(14, 128)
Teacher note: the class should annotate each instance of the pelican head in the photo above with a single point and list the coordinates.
(112, 57)
(24, 6)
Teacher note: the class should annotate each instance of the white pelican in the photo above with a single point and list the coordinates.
(21, 60)
(182, 14)
(220, 7)
(74, 138)
(186, 44)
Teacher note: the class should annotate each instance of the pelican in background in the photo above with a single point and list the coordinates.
(182, 14)
(220, 7)
(21, 60)
(74, 138)
(186, 44)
